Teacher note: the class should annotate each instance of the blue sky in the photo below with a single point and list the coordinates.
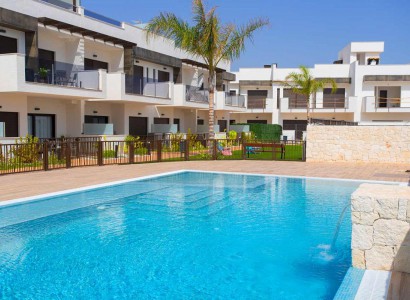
(301, 32)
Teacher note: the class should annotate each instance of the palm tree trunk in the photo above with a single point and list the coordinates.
(211, 117)
(308, 110)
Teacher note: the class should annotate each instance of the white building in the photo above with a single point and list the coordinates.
(368, 91)
(68, 71)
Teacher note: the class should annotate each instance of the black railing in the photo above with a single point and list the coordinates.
(102, 18)
(196, 94)
(70, 153)
(61, 4)
(235, 100)
(146, 86)
(62, 74)
(333, 122)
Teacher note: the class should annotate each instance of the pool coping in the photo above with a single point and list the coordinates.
(369, 280)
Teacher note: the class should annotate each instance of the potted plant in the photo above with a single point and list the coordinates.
(43, 73)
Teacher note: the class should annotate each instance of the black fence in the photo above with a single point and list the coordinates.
(70, 153)
(333, 122)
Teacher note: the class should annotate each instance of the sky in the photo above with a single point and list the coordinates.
(301, 32)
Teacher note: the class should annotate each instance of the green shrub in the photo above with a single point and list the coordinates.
(27, 151)
(232, 135)
(269, 132)
(109, 153)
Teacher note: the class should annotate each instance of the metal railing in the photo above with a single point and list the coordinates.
(63, 74)
(382, 102)
(146, 87)
(333, 122)
(325, 104)
(62, 4)
(102, 18)
(71, 153)
(235, 100)
(196, 94)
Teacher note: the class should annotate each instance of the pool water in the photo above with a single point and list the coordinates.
(182, 236)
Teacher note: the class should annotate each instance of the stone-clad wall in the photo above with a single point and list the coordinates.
(381, 227)
(358, 143)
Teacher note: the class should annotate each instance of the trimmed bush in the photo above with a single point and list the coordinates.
(269, 132)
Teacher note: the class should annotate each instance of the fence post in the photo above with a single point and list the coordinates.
(304, 151)
(131, 153)
(214, 151)
(45, 156)
(243, 149)
(187, 149)
(68, 154)
(100, 153)
(159, 150)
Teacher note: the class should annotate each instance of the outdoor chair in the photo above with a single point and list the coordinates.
(74, 80)
(225, 151)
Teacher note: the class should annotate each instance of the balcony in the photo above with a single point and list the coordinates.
(65, 75)
(319, 105)
(383, 104)
(70, 82)
(196, 94)
(62, 4)
(136, 85)
(235, 100)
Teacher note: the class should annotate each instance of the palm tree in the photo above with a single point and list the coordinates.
(205, 38)
(303, 83)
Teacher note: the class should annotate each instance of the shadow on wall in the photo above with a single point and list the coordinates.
(400, 280)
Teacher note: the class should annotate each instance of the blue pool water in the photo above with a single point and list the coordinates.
(182, 236)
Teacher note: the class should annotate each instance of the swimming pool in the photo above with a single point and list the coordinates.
(186, 235)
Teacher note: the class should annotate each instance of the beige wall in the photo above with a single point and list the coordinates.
(381, 227)
(376, 144)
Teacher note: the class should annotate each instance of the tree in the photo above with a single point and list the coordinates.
(303, 83)
(206, 38)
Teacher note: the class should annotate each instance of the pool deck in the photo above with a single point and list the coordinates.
(37, 183)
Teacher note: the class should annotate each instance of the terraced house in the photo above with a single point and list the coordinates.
(68, 71)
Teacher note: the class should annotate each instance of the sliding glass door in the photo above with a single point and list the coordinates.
(41, 126)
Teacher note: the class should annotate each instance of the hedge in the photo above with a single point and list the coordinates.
(271, 132)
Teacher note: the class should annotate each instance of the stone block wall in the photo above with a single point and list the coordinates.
(381, 227)
(389, 144)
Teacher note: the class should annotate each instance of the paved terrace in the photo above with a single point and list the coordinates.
(36, 183)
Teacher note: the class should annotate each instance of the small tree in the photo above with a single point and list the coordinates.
(304, 83)
(207, 38)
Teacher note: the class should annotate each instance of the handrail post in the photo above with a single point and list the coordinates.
(68, 154)
(215, 148)
(100, 153)
(131, 153)
(45, 156)
(187, 149)
(159, 150)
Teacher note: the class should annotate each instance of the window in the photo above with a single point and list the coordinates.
(333, 100)
(11, 123)
(278, 98)
(8, 45)
(232, 93)
(295, 100)
(177, 122)
(163, 76)
(92, 64)
(41, 125)
(257, 98)
(161, 120)
(96, 119)
(231, 122)
(46, 59)
(200, 122)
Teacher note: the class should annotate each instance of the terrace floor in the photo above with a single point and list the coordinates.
(37, 183)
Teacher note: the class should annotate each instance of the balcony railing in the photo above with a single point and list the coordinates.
(382, 102)
(146, 87)
(64, 74)
(235, 100)
(102, 18)
(325, 104)
(195, 94)
(61, 4)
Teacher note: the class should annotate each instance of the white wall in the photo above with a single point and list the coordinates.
(16, 103)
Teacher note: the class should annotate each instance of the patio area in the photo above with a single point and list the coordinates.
(37, 183)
